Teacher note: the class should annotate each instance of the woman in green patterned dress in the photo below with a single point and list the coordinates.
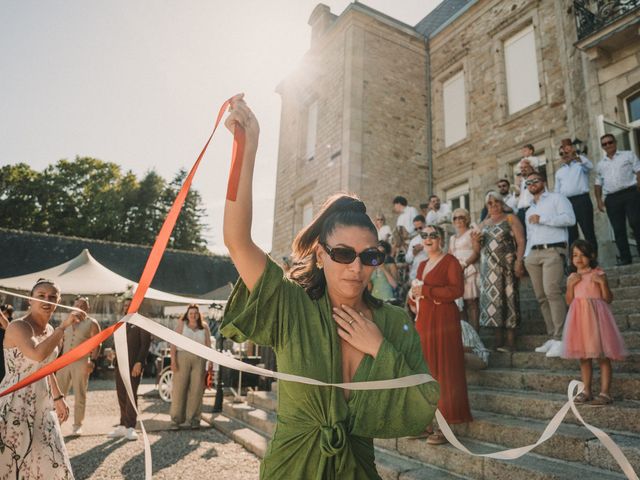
(323, 323)
(501, 237)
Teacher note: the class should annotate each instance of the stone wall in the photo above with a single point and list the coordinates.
(367, 73)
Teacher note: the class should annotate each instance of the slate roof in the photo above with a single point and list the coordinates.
(440, 16)
(181, 272)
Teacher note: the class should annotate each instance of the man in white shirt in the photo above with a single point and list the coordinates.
(439, 213)
(415, 252)
(618, 177)
(547, 220)
(406, 213)
(572, 181)
(525, 197)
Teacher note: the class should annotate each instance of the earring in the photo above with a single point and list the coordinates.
(319, 265)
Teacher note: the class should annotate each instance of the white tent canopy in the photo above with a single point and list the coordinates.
(84, 275)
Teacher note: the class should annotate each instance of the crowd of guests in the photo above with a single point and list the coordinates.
(527, 230)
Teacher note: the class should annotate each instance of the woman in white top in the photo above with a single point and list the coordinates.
(188, 372)
(463, 248)
(384, 230)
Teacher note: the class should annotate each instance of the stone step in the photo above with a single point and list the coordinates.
(261, 420)
(621, 417)
(627, 291)
(530, 466)
(624, 385)
(265, 400)
(239, 432)
(570, 442)
(528, 343)
(539, 361)
(392, 466)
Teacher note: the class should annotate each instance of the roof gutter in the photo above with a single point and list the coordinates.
(429, 132)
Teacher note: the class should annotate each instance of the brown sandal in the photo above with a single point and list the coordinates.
(582, 398)
(437, 439)
(601, 400)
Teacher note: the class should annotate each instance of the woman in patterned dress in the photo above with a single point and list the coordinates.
(31, 443)
(501, 238)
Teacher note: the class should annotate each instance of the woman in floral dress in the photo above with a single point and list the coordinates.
(31, 443)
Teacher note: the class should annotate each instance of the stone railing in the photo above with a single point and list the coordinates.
(593, 15)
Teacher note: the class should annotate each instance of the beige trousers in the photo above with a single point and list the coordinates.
(75, 376)
(187, 389)
(546, 269)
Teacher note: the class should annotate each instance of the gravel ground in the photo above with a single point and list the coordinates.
(195, 454)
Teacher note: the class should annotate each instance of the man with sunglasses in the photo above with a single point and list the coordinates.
(415, 253)
(618, 178)
(572, 181)
(547, 220)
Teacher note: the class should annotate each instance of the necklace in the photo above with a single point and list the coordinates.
(34, 326)
(431, 264)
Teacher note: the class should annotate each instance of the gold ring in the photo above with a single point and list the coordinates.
(351, 322)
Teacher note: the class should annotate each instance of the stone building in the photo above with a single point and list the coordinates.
(380, 108)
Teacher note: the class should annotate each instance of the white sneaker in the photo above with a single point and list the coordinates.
(544, 348)
(131, 434)
(119, 432)
(77, 430)
(555, 350)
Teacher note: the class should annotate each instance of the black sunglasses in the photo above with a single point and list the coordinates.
(371, 257)
(432, 235)
(531, 182)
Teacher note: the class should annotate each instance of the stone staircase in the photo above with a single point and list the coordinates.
(512, 402)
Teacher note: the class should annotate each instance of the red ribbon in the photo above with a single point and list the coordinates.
(159, 246)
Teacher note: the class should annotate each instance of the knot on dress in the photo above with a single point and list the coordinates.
(332, 439)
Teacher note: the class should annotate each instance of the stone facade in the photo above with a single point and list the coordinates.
(381, 109)
(367, 74)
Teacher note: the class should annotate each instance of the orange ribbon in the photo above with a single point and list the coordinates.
(159, 246)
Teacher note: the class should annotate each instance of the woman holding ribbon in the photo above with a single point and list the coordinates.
(30, 436)
(324, 324)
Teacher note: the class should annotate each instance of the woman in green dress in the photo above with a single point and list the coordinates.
(323, 323)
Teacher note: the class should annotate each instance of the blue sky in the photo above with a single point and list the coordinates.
(139, 83)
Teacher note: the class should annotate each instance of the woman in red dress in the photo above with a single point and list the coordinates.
(440, 282)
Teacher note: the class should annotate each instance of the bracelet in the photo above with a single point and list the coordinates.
(58, 398)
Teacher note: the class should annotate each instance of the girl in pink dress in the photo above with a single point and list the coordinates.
(590, 330)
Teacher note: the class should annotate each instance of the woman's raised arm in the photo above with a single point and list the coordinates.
(249, 259)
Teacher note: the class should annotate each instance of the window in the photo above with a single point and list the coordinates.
(312, 127)
(521, 68)
(307, 213)
(455, 109)
(633, 108)
(458, 197)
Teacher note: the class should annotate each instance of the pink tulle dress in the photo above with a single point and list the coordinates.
(590, 330)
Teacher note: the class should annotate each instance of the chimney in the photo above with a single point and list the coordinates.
(320, 20)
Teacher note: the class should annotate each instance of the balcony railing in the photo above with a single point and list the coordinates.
(593, 15)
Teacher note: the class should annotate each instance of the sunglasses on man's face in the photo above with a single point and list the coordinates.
(532, 182)
(606, 144)
(432, 235)
(371, 257)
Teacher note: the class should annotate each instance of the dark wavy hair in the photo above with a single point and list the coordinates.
(587, 250)
(185, 316)
(338, 210)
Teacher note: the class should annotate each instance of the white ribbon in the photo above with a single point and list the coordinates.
(408, 381)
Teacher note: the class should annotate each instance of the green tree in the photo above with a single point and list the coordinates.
(19, 202)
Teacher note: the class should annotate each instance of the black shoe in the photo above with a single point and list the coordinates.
(621, 263)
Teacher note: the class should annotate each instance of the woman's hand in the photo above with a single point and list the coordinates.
(573, 279)
(74, 317)
(519, 269)
(356, 329)
(62, 410)
(599, 278)
(241, 114)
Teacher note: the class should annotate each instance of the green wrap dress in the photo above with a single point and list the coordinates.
(319, 434)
